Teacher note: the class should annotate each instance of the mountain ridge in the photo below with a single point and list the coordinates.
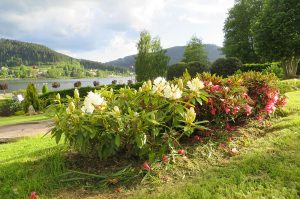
(175, 53)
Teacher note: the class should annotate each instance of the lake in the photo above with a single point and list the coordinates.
(14, 85)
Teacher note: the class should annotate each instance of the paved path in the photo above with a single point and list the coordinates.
(15, 131)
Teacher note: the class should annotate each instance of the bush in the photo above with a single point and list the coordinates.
(9, 107)
(96, 83)
(148, 121)
(274, 68)
(31, 98)
(77, 84)
(226, 66)
(55, 85)
(3, 86)
(45, 89)
(258, 67)
(177, 70)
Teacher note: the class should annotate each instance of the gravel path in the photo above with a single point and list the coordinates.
(15, 131)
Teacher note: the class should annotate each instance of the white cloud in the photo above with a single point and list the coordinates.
(108, 29)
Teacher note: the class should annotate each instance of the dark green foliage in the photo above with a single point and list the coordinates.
(238, 40)
(101, 66)
(55, 85)
(45, 89)
(77, 84)
(258, 67)
(31, 98)
(151, 61)
(226, 66)
(15, 53)
(177, 70)
(9, 107)
(194, 52)
(277, 33)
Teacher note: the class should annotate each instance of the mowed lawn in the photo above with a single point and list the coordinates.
(22, 119)
(266, 167)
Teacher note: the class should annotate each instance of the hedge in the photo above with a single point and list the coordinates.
(258, 67)
(177, 70)
(226, 66)
(47, 98)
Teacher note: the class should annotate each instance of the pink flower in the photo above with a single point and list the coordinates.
(196, 138)
(270, 107)
(227, 110)
(33, 195)
(281, 102)
(235, 110)
(165, 158)
(248, 109)
(213, 111)
(234, 150)
(229, 128)
(181, 152)
(259, 118)
(146, 166)
(222, 145)
(215, 88)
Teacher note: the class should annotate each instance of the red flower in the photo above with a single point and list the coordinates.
(213, 111)
(165, 158)
(181, 152)
(229, 128)
(196, 138)
(146, 166)
(248, 109)
(281, 102)
(33, 195)
(222, 145)
(235, 110)
(259, 118)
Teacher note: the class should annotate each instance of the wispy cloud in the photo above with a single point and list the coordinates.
(107, 29)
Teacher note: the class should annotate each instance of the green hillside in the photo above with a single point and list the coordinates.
(175, 53)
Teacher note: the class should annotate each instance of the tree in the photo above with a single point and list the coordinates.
(151, 60)
(45, 89)
(194, 52)
(238, 40)
(277, 33)
(31, 98)
(226, 66)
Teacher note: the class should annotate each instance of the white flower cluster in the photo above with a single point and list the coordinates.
(163, 88)
(195, 85)
(92, 101)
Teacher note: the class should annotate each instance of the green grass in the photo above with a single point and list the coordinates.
(268, 166)
(22, 119)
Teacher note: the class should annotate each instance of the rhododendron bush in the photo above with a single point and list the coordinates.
(156, 117)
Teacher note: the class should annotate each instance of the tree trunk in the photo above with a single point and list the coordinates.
(290, 67)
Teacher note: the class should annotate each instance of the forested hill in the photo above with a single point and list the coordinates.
(175, 53)
(28, 53)
(16, 53)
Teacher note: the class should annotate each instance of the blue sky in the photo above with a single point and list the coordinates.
(104, 30)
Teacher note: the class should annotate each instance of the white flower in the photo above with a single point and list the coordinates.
(116, 111)
(195, 84)
(71, 108)
(172, 92)
(92, 101)
(159, 84)
(147, 86)
(190, 115)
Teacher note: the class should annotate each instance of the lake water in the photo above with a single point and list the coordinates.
(14, 85)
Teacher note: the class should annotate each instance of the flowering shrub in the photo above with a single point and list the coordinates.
(153, 119)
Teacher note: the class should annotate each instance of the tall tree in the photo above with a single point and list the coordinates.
(238, 40)
(277, 33)
(151, 60)
(194, 51)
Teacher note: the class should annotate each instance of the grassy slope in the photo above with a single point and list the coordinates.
(267, 167)
(22, 119)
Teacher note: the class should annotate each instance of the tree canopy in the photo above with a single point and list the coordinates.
(195, 52)
(277, 33)
(238, 41)
(151, 60)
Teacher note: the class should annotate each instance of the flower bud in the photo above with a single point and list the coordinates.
(76, 93)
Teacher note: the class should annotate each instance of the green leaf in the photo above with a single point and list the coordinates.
(199, 100)
(117, 140)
